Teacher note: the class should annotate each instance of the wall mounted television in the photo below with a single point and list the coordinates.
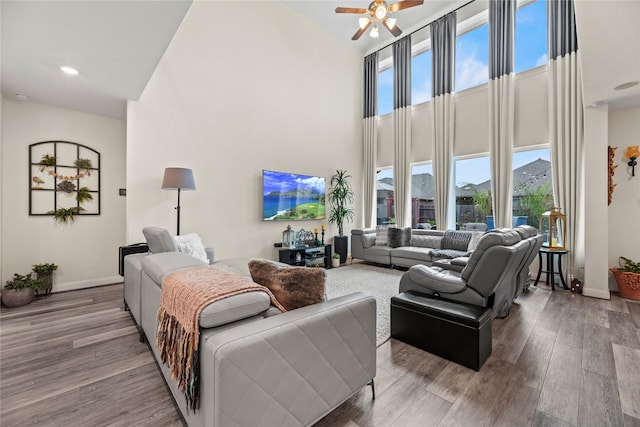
(291, 197)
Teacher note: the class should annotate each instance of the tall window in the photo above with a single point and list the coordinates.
(423, 214)
(472, 58)
(473, 191)
(385, 91)
(384, 197)
(532, 190)
(531, 36)
(421, 77)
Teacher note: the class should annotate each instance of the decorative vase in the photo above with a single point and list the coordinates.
(47, 279)
(17, 298)
(628, 283)
(341, 243)
(335, 262)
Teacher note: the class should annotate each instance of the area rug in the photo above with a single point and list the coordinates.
(379, 282)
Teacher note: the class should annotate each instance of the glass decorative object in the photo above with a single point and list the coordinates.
(289, 237)
(553, 228)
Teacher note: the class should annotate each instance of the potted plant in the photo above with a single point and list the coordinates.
(47, 161)
(20, 290)
(628, 278)
(340, 195)
(335, 260)
(45, 271)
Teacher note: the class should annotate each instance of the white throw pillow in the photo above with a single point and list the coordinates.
(191, 244)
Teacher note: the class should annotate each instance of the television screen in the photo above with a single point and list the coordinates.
(289, 196)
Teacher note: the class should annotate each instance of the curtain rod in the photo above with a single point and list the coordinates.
(426, 25)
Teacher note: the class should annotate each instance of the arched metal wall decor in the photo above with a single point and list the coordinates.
(63, 176)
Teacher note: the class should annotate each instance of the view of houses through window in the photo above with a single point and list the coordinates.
(532, 191)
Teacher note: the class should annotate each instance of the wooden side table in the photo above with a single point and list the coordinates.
(550, 264)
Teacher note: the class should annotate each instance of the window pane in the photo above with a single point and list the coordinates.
(421, 78)
(385, 91)
(384, 205)
(532, 190)
(472, 58)
(473, 191)
(531, 36)
(423, 214)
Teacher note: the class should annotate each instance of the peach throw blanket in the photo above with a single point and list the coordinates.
(185, 294)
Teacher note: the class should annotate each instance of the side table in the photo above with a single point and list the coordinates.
(550, 264)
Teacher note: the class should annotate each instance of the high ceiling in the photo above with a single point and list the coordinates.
(116, 45)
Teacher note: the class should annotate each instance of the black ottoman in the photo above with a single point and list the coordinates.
(455, 331)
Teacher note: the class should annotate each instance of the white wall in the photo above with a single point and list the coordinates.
(243, 88)
(624, 211)
(85, 251)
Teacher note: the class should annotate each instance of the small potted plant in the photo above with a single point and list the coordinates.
(20, 290)
(45, 271)
(335, 260)
(628, 278)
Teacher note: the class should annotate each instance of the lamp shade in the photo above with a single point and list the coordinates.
(178, 178)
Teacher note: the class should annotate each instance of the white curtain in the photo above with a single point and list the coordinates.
(402, 130)
(501, 131)
(502, 15)
(567, 151)
(566, 126)
(443, 42)
(402, 165)
(443, 135)
(370, 138)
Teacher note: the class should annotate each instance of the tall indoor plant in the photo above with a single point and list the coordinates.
(341, 197)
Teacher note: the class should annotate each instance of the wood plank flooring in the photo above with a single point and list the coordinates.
(559, 359)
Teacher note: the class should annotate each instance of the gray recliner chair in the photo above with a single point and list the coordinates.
(487, 280)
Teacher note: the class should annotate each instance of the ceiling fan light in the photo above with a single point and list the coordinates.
(391, 22)
(363, 22)
(380, 12)
(374, 32)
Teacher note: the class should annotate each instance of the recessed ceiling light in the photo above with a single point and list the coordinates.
(69, 70)
(627, 85)
(21, 97)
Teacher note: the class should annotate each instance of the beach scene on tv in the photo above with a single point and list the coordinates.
(289, 196)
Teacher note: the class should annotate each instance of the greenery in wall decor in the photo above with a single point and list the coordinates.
(84, 165)
(47, 161)
(84, 195)
(66, 215)
(64, 180)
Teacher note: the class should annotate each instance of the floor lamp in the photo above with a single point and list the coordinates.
(178, 179)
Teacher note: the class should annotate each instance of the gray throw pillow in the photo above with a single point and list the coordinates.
(159, 240)
(456, 240)
(368, 240)
(399, 237)
(382, 235)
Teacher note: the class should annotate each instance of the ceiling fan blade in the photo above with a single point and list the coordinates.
(350, 10)
(404, 5)
(361, 31)
(394, 30)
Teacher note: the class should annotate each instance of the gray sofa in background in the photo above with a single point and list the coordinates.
(259, 366)
(417, 246)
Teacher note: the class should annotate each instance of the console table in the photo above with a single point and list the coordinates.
(306, 256)
(550, 264)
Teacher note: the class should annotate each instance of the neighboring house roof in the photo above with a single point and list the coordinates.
(527, 177)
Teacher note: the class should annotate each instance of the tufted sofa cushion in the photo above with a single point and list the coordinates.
(456, 240)
(434, 242)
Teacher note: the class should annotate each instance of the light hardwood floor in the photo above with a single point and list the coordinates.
(559, 359)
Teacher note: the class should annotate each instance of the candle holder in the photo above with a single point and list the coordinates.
(632, 153)
(323, 236)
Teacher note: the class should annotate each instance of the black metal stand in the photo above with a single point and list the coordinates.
(178, 209)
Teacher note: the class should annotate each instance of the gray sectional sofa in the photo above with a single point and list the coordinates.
(259, 366)
(414, 246)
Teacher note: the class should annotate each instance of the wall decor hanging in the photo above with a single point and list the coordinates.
(64, 180)
(612, 170)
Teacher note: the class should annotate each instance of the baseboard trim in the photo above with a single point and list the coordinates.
(83, 284)
(596, 293)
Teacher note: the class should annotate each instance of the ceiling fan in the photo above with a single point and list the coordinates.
(377, 13)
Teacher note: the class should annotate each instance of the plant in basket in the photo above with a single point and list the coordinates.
(45, 271)
(628, 278)
(20, 290)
